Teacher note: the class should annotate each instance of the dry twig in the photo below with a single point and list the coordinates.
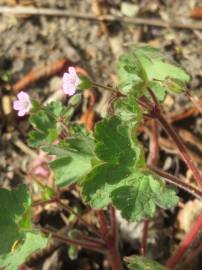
(107, 17)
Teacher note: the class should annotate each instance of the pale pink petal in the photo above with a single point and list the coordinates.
(72, 71)
(69, 89)
(22, 113)
(66, 77)
(23, 96)
(16, 105)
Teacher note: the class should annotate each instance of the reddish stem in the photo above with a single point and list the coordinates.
(154, 144)
(104, 227)
(177, 182)
(113, 223)
(93, 245)
(114, 258)
(110, 237)
(155, 111)
(144, 238)
(181, 147)
(174, 259)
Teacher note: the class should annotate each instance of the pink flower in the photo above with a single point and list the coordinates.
(70, 81)
(22, 104)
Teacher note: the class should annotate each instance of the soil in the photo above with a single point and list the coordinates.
(29, 42)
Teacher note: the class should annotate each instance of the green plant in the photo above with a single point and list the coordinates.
(107, 164)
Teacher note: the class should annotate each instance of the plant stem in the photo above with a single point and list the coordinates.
(181, 147)
(185, 244)
(69, 209)
(85, 244)
(41, 203)
(108, 88)
(89, 226)
(114, 258)
(177, 182)
(154, 144)
(104, 227)
(110, 237)
(144, 238)
(155, 111)
(113, 223)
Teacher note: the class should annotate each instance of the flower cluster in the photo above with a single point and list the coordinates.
(70, 84)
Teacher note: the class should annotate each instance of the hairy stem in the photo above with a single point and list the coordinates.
(185, 244)
(177, 182)
(181, 147)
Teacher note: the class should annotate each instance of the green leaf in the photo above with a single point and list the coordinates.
(46, 121)
(45, 129)
(146, 67)
(159, 89)
(174, 85)
(142, 263)
(37, 138)
(128, 110)
(101, 181)
(138, 199)
(32, 243)
(73, 159)
(116, 148)
(75, 100)
(131, 75)
(156, 67)
(121, 176)
(55, 109)
(85, 82)
(13, 205)
(113, 142)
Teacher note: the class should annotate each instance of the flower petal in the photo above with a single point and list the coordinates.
(66, 77)
(72, 71)
(22, 112)
(16, 105)
(69, 89)
(23, 96)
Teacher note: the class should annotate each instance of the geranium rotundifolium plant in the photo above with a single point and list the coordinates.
(108, 164)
